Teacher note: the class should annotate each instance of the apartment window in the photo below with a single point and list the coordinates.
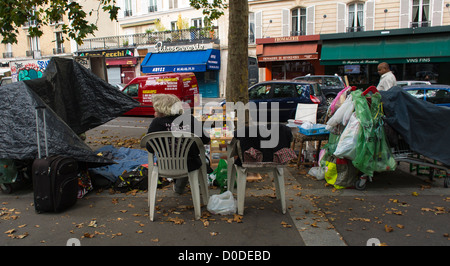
(173, 25)
(33, 43)
(355, 17)
(251, 28)
(59, 49)
(173, 4)
(420, 13)
(196, 22)
(152, 7)
(127, 11)
(298, 16)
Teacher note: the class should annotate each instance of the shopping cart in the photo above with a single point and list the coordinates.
(402, 153)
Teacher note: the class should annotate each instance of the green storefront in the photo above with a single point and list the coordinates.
(413, 54)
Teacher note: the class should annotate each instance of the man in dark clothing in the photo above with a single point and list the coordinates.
(168, 108)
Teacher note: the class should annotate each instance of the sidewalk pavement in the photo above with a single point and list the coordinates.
(317, 216)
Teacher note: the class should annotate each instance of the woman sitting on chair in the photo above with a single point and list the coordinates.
(167, 108)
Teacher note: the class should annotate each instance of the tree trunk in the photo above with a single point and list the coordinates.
(237, 69)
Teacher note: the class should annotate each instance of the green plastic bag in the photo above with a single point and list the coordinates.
(221, 174)
(372, 151)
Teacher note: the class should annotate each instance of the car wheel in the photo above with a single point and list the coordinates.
(330, 99)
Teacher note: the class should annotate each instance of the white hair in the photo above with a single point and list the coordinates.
(167, 104)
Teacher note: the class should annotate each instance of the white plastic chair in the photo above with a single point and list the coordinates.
(171, 149)
(277, 170)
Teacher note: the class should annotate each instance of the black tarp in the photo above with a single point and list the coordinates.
(76, 101)
(424, 126)
(79, 97)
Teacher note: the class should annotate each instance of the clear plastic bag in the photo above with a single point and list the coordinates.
(223, 204)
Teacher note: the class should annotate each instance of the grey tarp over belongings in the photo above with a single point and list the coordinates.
(79, 97)
(89, 99)
(18, 129)
(424, 126)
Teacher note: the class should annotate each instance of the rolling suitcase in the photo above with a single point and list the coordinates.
(55, 178)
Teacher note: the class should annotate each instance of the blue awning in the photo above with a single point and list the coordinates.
(192, 61)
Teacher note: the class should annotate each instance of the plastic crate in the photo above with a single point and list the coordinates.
(317, 129)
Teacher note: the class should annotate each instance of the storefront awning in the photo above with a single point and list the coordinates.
(289, 52)
(393, 50)
(185, 61)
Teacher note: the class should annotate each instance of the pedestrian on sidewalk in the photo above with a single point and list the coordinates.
(167, 108)
(387, 79)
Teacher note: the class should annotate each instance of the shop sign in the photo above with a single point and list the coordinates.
(161, 48)
(287, 57)
(392, 61)
(109, 53)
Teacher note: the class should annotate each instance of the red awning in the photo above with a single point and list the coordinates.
(288, 52)
(121, 61)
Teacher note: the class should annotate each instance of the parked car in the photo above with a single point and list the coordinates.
(287, 93)
(403, 83)
(331, 84)
(436, 94)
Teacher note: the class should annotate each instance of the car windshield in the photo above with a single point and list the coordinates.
(332, 81)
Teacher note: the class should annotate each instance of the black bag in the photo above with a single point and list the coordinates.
(55, 178)
(136, 179)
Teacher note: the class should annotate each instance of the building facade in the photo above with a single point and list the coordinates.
(354, 36)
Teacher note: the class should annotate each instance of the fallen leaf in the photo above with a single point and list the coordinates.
(430, 231)
(176, 220)
(93, 223)
(88, 235)
(238, 218)
(400, 226)
(388, 228)
(285, 225)
(10, 231)
(415, 194)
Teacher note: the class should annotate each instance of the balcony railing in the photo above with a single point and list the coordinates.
(420, 24)
(134, 40)
(355, 29)
(59, 50)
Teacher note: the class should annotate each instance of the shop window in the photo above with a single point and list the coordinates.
(298, 21)
(355, 17)
(420, 13)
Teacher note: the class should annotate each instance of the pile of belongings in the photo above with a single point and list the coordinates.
(357, 139)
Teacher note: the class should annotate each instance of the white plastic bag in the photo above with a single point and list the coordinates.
(342, 115)
(318, 172)
(346, 147)
(223, 204)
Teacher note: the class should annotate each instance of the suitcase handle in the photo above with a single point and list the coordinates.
(41, 107)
